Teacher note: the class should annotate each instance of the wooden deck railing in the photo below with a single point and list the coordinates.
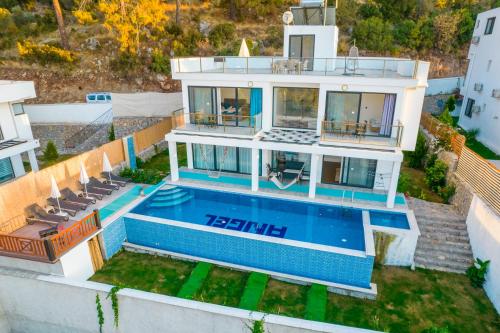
(52, 248)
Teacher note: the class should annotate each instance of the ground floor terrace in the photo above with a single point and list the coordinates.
(345, 175)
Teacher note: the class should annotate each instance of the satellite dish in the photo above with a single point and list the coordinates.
(287, 17)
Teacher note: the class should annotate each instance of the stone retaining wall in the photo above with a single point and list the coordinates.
(127, 125)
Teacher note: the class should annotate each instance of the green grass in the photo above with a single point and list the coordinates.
(145, 272)
(254, 289)
(481, 149)
(222, 286)
(407, 302)
(317, 297)
(417, 187)
(196, 279)
(284, 298)
(45, 164)
(160, 162)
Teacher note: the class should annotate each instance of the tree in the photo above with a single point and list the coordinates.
(50, 153)
(177, 11)
(397, 10)
(404, 34)
(465, 26)
(60, 24)
(446, 27)
(374, 34)
(251, 8)
(132, 21)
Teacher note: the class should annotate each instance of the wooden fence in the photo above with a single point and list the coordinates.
(151, 135)
(23, 247)
(481, 175)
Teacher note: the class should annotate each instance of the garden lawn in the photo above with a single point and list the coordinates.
(45, 164)
(407, 302)
(481, 149)
(160, 162)
(417, 187)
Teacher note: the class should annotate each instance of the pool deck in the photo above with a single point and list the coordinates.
(350, 199)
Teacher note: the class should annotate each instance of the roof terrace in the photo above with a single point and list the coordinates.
(395, 68)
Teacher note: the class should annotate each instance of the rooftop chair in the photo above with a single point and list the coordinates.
(71, 196)
(121, 181)
(38, 214)
(94, 182)
(68, 207)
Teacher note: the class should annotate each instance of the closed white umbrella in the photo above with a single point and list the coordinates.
(244, 52)
(106, 166)
(84, 178)
(54, 193)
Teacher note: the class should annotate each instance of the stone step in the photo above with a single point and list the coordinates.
(428, 243)
(443, 222)
(441, 265)
(439, 219)
(445, 237)
(432, 229)
(458, 258)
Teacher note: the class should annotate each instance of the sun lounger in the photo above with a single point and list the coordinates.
(71, 196)
(65, 206)
(121, 181)
(92, 190)
(94, 182)
(53, 230)
(38, 214)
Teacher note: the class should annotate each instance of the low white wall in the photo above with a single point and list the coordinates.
(82, 113)
(51, 304)
(483, 226)
(77, 263)
(34, 266)
(444, 85)
(4, 324)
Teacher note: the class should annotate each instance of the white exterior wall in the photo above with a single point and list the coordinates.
(488, 120)
(446, 85)
(7, 122)
(325, 39)
(483, 226)
(63, 305)
(77, 264)
(4, 324)
(66, 113)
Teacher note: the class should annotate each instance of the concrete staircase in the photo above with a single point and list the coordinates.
(444, 241)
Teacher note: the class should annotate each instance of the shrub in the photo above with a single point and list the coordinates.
(450, 103)
(124, 63)
(160, 63)
(477, 272)
(447, 193)
(8, 30)
(404, 183)
(471, 135)
(111, 133)
(84, 17)
(374, 34)
(50, 153)
(445, 117)
(435, 176)
(221, 34)
(436, 330)
(44, 54)
(139, 163)
(142, 176)
(416, 158)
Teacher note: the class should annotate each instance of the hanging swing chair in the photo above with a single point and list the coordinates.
(213, 173)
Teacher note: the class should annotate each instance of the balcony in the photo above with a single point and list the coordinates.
(394, 68)
(360, 133)
(216, 124)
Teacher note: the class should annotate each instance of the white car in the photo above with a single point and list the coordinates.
(98, 97)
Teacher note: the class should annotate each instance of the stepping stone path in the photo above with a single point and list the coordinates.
(444, 242)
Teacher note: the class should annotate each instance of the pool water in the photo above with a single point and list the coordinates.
(279, 218)
(391, 220)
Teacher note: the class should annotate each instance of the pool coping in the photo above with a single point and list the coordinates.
(338, 288)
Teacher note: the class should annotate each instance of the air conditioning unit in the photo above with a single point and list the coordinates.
(478, 87)
(476, 108)
(495, 93)
(475, 40)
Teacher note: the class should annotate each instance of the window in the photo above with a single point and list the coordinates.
(468, 107)
(489, 66)
(359, 172)
(101, 97)
(477, 23)
(295, 107)
(1, 134)
(6, 171)
(489, 26)
(227, 159)
(17, 108)
(202, 100)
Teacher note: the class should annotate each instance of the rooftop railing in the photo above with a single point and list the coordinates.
(361, 133)
(225, 123)
(340, 66)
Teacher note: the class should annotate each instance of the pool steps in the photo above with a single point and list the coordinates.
(170, 197)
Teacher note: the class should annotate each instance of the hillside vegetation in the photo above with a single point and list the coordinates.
(70, 47)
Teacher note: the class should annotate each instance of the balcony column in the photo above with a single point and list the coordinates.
(266, 159)
(313, 177)
(33, 160)
(17, 165)
(255, 169)
(189, 153)
(174, 166)
(391, 194)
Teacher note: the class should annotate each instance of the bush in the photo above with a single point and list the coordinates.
(139, 163)
(447, 193)
(50, 153)
(222, 34)
(374, 34)
(160, 63)
(84, 17)
(477, 272)
(435, 175)
(450, 103)
(404, 183)
(111, 133)
(436, 330)
(44, 54)
(142, 176)
(416, 158)
(445, 117)
(8, 30)
(124, 63)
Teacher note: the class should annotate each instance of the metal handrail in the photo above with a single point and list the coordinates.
(203, 120)
(343, 130)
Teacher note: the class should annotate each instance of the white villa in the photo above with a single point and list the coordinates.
(15, 130)
(307, 117)
(481, 89)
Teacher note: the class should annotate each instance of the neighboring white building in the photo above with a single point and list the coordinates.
(481, 88)
(335, 120)
(15, 130)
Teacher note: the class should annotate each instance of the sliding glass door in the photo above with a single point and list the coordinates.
(359, 172)
(342, 109)
(228, 159)
(6, 171)
(235, 106)
(295, 107)
(202, 105)
(301, 47)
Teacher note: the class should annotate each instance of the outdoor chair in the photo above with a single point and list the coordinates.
(38, 214)
(97, 192)
(94, 182)
(121, 181)
(68, 207)
(71, 196)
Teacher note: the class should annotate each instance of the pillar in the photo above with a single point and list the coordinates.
(255, 169)
(189, 152)
(17, 165)
(174, 166)
(33, 160)
(391, 194)
(313, 177)
(266, 159)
